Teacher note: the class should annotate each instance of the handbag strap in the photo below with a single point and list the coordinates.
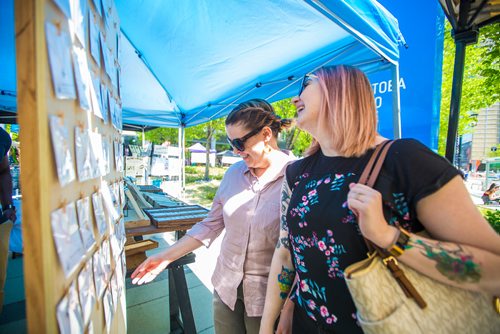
(372, 169)
(370, 174)
(369, 177)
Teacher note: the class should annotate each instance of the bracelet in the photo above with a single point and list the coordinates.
(398, 247)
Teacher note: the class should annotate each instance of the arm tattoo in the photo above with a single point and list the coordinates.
(285, 281)
(454, 263)
(283, 241)
(285, 200)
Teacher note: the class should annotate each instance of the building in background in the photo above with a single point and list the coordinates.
(485, 135)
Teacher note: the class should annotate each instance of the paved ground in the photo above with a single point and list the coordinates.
(147, 305)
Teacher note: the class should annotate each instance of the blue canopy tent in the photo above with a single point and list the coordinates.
(187, 62)
(208, 56)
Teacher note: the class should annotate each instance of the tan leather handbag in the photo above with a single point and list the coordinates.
(391, 297)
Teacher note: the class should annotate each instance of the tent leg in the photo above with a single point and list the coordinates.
(396, 102)
(456, 95)
(182, 147)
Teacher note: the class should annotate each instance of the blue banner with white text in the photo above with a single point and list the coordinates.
(420, 72)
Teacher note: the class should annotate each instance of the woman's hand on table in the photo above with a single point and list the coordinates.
(149, 269)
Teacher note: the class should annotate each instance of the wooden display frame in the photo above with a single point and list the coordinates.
(45, 282)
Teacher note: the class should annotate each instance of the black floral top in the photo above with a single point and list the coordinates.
(324, 234)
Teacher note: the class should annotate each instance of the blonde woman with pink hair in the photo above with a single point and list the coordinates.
(326, 212)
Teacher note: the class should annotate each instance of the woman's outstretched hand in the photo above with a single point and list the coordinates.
(149, 269)
(366, 203)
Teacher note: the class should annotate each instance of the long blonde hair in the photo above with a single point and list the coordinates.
(347, 110)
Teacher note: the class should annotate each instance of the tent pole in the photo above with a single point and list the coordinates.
(396, 102)
(182, 147)
(143, 138)
(456, 95)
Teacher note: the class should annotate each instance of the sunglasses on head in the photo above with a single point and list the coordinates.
(239, 143)
(305, 81)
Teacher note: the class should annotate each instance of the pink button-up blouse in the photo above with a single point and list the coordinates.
(249, 209)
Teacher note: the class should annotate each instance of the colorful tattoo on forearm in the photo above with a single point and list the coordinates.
(453, 263)
(285, 281)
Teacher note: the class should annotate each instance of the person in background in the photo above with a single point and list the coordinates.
(489, 196)
(246, 205)
(326, 212)
(8, 216)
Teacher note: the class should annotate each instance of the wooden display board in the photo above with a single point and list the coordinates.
(38, 23)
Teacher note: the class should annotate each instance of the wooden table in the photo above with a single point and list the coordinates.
(179, 302)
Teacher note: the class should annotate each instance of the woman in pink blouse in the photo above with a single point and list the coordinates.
(247, 206)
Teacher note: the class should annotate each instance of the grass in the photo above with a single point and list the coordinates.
(199, 191)
(493, 217)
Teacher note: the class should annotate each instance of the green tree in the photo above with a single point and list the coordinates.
(294, 138)
(206, 131)
(496, 153)
(481, 83)
(160, 135)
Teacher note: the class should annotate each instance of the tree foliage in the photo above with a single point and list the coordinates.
(293, 139)
(481, 82)
(160, 135)
(207, 131)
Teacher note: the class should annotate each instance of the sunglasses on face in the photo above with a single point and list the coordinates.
(239, 143)
(305, 81)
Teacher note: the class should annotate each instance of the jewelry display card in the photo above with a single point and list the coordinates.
(116, 114)
(118, 156)
(120, 278)
(97, 5)
(90, 328)
(64, 6)
(62, 154)
(113, 284)
(96, 97)
(85, 160)
(107, 11)
(114, 74)
(94, 39)
(124, 263)
(120, 232)
(106, 255)
(78, 19)
(87, 291)
(108, 308)
(123, 200)
(82, 77)
(67, 238)
(106, 152)
(115, 195)
(69, 313)
(99, 273)
(108, 201)
(59, 47)
(118, 45)
(115, 246)
(85, 221)
(105, 54)
(104, 104)
(100, 216)
(96, 144)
